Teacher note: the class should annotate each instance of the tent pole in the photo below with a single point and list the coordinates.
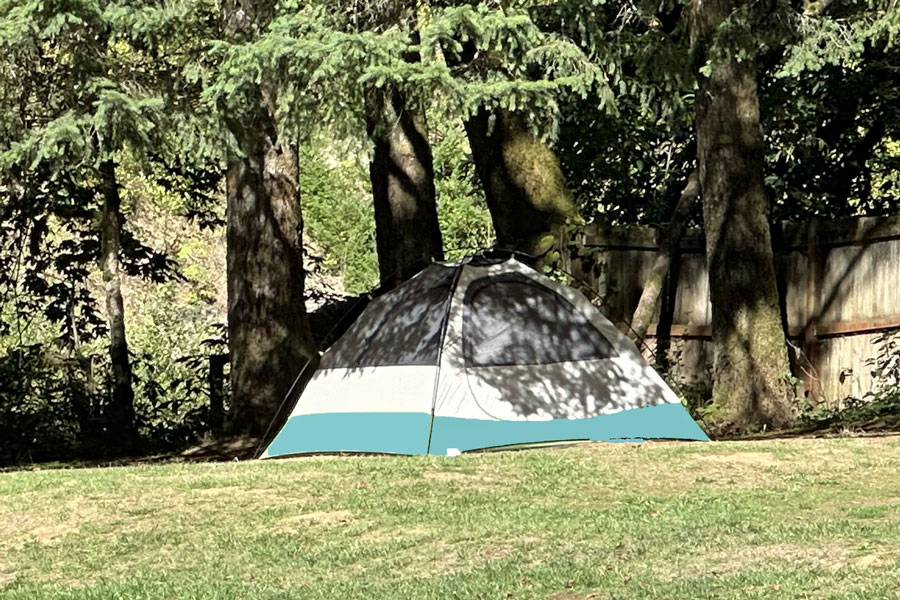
(437, 376)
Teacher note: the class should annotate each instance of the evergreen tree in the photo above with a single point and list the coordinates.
(86, 100)
(269, 338)
(475, 59)
(408, 236)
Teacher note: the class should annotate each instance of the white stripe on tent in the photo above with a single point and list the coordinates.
(402, 388)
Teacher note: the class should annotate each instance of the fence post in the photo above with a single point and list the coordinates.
(217, 392)
(814, 285)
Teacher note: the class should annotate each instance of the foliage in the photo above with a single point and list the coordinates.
(827, 95)
(312, 51)
(625, 175)
(627, 161)
(91, 83)
(51, 403)
(337, 209)
(832, 103)
(46, 403)
(885, 364)
(878, 408)
(174, 326)
(337, 204)
(172, 339)
(464, 218)
(56, 379)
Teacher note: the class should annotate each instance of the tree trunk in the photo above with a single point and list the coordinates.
(269, 336)
(120, 412)
(523, 183)
(269, 339)
(407, 233)
(751, 368)
(668, 246)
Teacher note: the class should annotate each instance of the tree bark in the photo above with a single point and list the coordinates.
(668, 246)
(407, 233)
(750, 387)
(523, 183)
(120, 412)
(269, 338)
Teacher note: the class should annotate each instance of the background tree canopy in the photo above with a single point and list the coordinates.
(138, 141)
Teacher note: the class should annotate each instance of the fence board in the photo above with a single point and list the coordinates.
(839, 281)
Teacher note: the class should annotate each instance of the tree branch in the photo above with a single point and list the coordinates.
(671, 239)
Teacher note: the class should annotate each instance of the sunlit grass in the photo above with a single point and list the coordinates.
(790, 519)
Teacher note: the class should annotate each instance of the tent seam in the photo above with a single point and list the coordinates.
(445, 326)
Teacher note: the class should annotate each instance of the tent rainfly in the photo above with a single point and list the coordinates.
(480, 354)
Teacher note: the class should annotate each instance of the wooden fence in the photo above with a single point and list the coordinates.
(839, 283)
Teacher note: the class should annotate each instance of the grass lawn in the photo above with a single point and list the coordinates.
(774, 519)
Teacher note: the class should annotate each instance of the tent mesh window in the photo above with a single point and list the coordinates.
(403, 327)
(510, 319)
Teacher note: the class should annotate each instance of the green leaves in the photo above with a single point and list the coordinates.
(122, 119)
(61, 140)
(92, 77)
(822, 41)
(318, 62)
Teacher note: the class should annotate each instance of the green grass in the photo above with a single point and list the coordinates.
(773, 519)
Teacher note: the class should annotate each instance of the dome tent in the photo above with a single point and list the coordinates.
(480, 354)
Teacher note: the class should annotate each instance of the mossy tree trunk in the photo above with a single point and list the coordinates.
(671, 239)
(120, 412)
(750, 387)
(269, 338)
(407, 233)
(523, 183)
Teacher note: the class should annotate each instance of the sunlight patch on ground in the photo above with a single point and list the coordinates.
(813, 518)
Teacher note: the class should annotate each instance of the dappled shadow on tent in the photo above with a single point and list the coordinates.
(561, 391)
(478, 355)
(402, 327)
(525, 350)
(510, 319)
(531, 353)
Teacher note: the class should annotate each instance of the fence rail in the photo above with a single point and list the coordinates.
(839, 283)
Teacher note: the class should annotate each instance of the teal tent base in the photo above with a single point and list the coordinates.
(396, 433)
(408, 433)
(664, 421)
